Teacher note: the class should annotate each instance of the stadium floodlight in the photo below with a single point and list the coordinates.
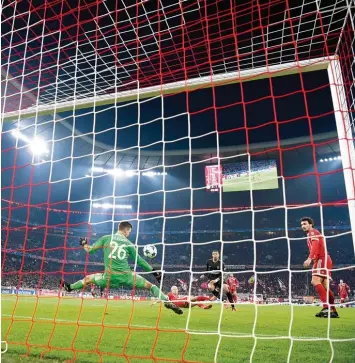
(330, 159)
(321, 160)
(116, 172)
(111, 206)
(339, 157)
(19, 135)
(130, 173)
(125, 173)
(153, 173)
(97, 169)
(149, 173)
(325, 159)
(37, 145)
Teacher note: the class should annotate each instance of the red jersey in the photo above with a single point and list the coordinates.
(232, 282)
(316, 245)
(343, 289)
(172, 297)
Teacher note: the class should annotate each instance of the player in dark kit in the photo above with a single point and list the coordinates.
(321, 270)
(215, 268)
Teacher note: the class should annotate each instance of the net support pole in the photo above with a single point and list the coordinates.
(345, 137)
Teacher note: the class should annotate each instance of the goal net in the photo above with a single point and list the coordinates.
(211, 126)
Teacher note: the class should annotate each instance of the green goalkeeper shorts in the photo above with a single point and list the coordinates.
(115, 280)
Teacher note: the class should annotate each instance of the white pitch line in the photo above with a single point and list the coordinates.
(190, 331)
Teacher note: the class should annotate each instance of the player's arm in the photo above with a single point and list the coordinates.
(140, 261)
(96, 246)
(207, 269)
(314, 251)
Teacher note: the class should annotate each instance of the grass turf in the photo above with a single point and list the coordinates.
(111, 331)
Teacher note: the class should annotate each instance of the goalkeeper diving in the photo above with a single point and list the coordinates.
(117, 249)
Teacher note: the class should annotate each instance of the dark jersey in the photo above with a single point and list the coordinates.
(215, 270)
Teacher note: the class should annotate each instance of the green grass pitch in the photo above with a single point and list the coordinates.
(134, 332)
(266, 179)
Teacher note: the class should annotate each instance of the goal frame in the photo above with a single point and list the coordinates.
(138, 93)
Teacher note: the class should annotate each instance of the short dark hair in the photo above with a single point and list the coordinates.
(124, 225)
(308, 219)
(215, 251)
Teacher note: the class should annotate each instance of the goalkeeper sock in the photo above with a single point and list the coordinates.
(77, 285)
(230, 298)
(322, 292)
(158, 293)
(331, 300)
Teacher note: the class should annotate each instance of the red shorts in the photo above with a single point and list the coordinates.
(342, 296)
(232, 290)
(182, 302)
(322, 270)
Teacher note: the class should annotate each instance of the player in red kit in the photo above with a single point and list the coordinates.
(187, 301)
(322, 265)
(233, 284)
(92, 290)
(343, 291)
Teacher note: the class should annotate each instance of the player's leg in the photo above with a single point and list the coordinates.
(326, 273)
(183, 302)
(96, 279)
(317, 281)
(213, 288)
(229, 296)
(235, 297)
(331, 298)
(234, 294)
(196, 301)
(322, 293)
(334, 313)
(139, 282)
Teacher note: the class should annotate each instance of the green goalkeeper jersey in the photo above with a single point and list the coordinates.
(117, 249)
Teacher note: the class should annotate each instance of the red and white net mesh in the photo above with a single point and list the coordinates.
(100, 96)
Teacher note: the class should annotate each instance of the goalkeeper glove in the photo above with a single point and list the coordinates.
(157, 275)
(83, 241)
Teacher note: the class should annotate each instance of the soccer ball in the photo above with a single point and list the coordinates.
(150, 251)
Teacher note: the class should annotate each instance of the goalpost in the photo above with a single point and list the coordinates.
(77, 102)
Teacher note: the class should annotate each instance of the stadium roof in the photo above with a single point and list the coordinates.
(124, 45)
